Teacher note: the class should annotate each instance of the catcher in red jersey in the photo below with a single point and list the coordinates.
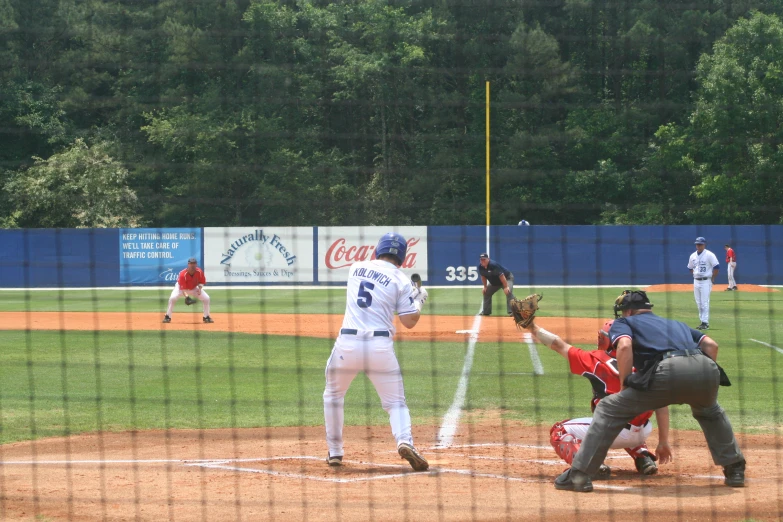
(599, 366)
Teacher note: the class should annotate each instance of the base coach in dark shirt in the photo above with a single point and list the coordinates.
(675, 365)
(495, 276)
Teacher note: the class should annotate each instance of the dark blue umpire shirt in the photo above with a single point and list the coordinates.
(652, 336)
(493, 271)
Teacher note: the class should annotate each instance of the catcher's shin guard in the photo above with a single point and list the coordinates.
(565, 444)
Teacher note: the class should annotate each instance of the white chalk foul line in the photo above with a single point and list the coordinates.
(538, 367)
(450, 423)
(779, 350)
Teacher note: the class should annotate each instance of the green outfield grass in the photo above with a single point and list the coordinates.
(53, 384)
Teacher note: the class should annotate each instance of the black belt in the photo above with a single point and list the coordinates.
(376, 333)
(701, 278)
(629, 425)
(682, 353)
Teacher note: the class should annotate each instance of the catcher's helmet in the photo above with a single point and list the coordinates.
(632, 300)
(393, 244)
(604, 342)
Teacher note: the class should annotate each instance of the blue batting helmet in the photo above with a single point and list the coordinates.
(393, 244)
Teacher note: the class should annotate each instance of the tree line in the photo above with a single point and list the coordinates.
(308, 112)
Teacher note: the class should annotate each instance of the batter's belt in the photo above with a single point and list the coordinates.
(353, 331)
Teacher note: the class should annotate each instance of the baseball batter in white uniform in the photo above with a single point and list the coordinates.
(704, 266)
(376, 290)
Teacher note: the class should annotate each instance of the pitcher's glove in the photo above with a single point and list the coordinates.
(189, 300)
(524, 310)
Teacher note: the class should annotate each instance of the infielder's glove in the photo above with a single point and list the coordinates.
(524, 310)
(189, 300)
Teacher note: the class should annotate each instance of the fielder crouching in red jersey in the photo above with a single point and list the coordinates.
(600, 368)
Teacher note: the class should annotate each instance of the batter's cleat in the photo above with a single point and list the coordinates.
(703, 326)
(645, 465)
(335, 461)
(735, 475)
(603, 473)
(166, 319)
(208, 319)
(409, 453)
(574, 480)
(728, 290)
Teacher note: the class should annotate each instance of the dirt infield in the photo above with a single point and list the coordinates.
(280, 474)
(495, 469)
(435, 328)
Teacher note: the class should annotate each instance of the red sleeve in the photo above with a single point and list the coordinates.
(580, 361)
(201, 277)
(181, 278)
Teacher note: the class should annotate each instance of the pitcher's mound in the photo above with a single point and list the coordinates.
(689, 288)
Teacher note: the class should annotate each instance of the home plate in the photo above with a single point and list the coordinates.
(467, 331)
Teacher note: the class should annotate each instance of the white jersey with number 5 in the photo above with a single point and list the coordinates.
(376, 290)
(702, 264)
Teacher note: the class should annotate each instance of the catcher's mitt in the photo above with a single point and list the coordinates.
(524, 310)
(189, 300)
(416, 280)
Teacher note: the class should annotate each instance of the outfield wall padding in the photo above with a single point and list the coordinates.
(537, 255)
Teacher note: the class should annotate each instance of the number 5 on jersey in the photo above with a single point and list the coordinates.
(365, 297)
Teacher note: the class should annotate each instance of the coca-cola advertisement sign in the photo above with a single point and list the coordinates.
(340, 247)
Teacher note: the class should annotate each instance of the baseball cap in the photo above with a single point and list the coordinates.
(192, 260)
(484, 256)
(700, 241)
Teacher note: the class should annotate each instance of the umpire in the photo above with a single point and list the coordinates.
(676, 365)
(494, 277)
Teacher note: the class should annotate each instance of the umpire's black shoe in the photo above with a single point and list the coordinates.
(166, 319)
(208, 319)
(735, 475)
(574, 480)
(335, 461)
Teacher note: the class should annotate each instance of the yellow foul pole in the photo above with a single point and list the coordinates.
(487, 111)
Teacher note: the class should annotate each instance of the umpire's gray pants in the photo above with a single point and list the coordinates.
(486, 307)
(691, 380)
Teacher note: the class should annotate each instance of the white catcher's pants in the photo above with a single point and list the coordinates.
(375, 357)
(201, 295)
(730, 270)
(701, 292)
(628, 438)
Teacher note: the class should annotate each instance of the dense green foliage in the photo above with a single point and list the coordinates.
(246, 112)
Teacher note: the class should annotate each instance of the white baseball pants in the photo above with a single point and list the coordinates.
(201, 295)
(628, 438)
(376, 358)
(730, 271)
(701, 292)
